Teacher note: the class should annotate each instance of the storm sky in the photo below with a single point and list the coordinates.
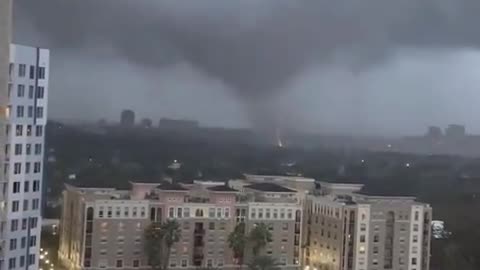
(344, 66)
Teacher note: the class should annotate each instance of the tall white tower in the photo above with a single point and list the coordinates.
(24, 151)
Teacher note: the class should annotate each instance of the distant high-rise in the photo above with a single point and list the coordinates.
(434, 132)
(146, 123)
(127, 118)
(455, 131)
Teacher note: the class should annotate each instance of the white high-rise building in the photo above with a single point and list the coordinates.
(24, 151)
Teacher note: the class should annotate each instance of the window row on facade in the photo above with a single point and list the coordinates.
(21, 70)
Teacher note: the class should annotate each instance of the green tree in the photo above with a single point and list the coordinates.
(171, 235)
(259, 237)
(154, 244)
(237, 241)
(263, 263)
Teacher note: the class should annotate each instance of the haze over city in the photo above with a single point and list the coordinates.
(352, 67)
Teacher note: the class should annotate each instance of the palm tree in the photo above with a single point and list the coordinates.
(171, 235)
(263, 263)
(237, 241)
(154, 244)
(259, 237)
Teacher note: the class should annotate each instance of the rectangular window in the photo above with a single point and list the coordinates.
(13, 244)
(25, 205)
(362, 238)
(417, 215)
(29, 130)
(33, 241)
(20, 111)
(23, 242)
(41, 72)
(415, 227)
(39, 112)
(38, 149)
(33, 223)
(12, 263)
(136, 263)
(18, 149)
(27, 167)
(36, 185)
(22, 261)
(26, 186)
(39, 131)
(171, 212)
(32, 72)
(184, 263)
(18, 130)
(35, 204)
(415, 239)
(24, 223)
(119, 264)
(414, 261)
(40, 92)
(9, 91)
(211, 212)
(16, 187)
(179, 212)
(37, 167)
(219, 212)
(14, 225)
(15, 206)
(186, 212)
(31, 259)
(20, 90)
(30, 112)
(227, 212)
(211, 226)
(28, 148)
(30, 91)
(22, 70)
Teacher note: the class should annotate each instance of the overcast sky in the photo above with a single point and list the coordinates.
(355, 67)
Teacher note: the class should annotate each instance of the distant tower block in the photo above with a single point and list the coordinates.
(127, 118)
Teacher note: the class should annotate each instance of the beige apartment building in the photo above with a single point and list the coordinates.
(102, 228)
(330, 227)
(348, 230)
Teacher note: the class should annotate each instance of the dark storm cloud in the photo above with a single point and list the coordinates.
(255, 47)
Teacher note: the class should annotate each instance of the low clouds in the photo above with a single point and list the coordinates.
(331, 66)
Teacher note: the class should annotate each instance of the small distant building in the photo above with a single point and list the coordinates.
(455, 131)
(127, 118)
(146, 123)
(434, 132)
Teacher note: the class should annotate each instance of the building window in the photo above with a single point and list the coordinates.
(40, 92)
(39, 131)
(41, 72)
(33, 241)
(23, 242)
(16, 187)
(32, 72)
(211, 226)
(26, 186)
(119, 264)
(275, 213)
(415, 227)
(20, 111)
(37, 167)
(14, 225)
(184, 263)
(24, 223)
(209, 263)
(22, 261)
(18, 149)
(417, 215)
(22, 70)
(376, 238)
(20, 90)
(15, 206)
(13, 244)
(285, 226)
(12, 263)
(362, 238)
(227, 212)
(30, 112)
(27, 167)
(415, 239)
(25, 205)
(171, 212)
(219, 212)
(267, 213)
(289, 214)
(39, 112)
(375, 249)
(31, 259)
(28, 148)
(136, 263)
(363, 227)
(36, 185)
(35, 204)
(33, 223)
(18, 130)
(179, 212)
(414, 261)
